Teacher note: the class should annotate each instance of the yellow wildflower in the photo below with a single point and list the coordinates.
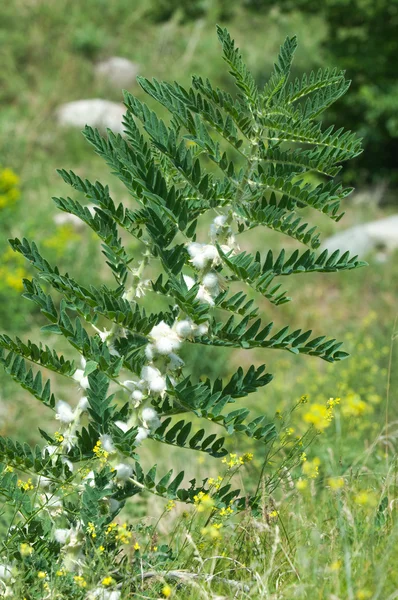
(61, 573)
(215, 482)
(58, 437)
(170, 505)
(25, 549)
(9, 469)
(225, 512)
(301, 484)
(41, 574)
(123, 535)
(25, 485)
(365, 499)
(212, 531)
(363, 594)
(335, 483)
(332, 402)
(245, 458)
(318, 415)
(136, 546)
(100, 452)
(166, 591)
(203, 501)
(107, 581)
(336, 565)
(91, 530)
(111, 527)
(354, 406)
(80, 581)
(311, 468)
(273, 514)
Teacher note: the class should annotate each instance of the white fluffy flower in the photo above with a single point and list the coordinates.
(149, 351)
(218, 225)
(123, 471)
(202, 329)
(151, 418)
(61, 535)
(155, 380)
(107, 443)
(164, 338)
(141, 435)
(83, 403)
(204, 296)
(202, 254)
(64, 412)
(137, 396)
(81, 379)
(132, 385)
(210, 280)
(184, 328)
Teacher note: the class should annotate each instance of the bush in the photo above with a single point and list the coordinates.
(68, 494)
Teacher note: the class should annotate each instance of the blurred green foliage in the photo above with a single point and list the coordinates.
(362, 39)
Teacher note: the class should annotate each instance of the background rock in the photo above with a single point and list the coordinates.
(118, 71)
(381, 235)
(94, 112)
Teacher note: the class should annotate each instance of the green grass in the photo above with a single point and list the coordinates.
(323, 543)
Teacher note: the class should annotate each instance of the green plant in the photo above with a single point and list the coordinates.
(78, 483)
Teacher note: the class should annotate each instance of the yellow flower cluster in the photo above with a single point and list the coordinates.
(80, 581)
(107, 581)
(120, 532)
(100, 452)
(170, 505)
(365, 498)
(216, 483)
(111, 527)
(25, 549)
(225, 512)
(58, 437)
(354, 406)
(123, 535)
(59, 242)
(25, 485)
(310, 468)
(335, 483)
(235, 460)
(203, 501)
(212, 531)
(12, 270)
(9, 188)
(319, 415)
(91, 530)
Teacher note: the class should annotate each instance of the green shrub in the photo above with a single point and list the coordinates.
(189, 287)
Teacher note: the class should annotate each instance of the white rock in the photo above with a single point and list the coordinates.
(118, 71)
(362, 239)
(95, 112)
